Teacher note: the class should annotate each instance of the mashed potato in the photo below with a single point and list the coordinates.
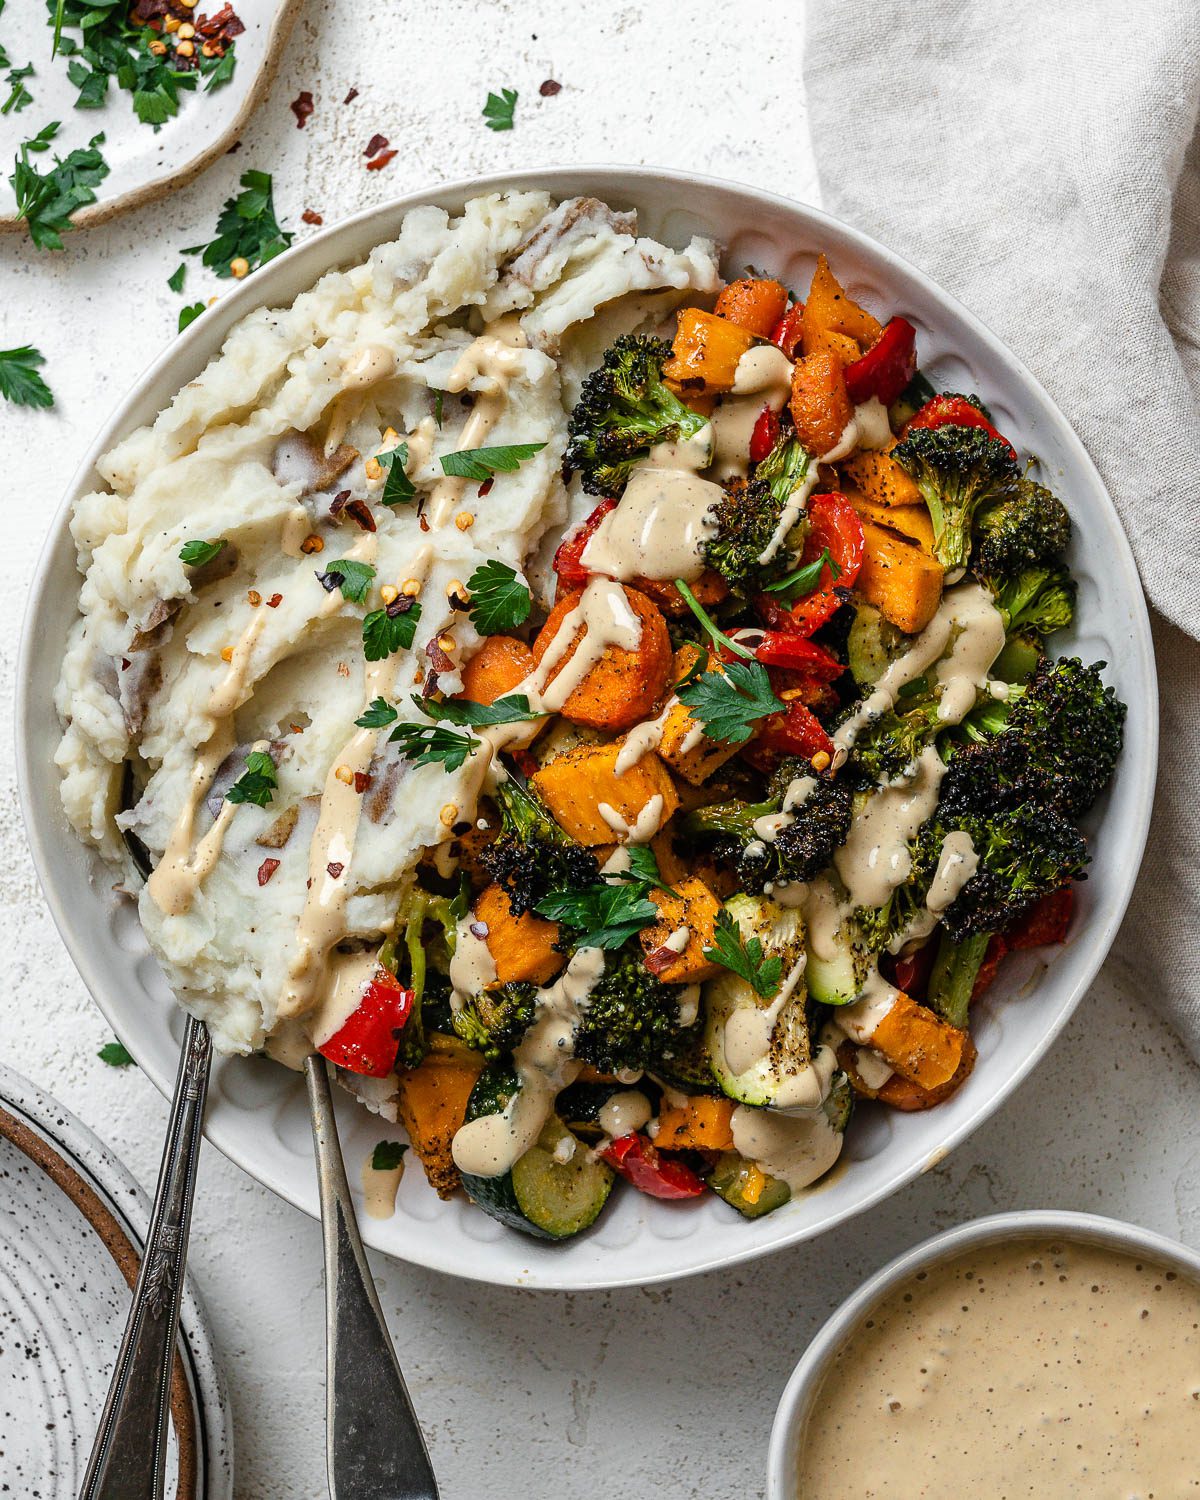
(181, 671)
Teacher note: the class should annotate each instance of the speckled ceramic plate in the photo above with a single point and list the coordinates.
(258, 1115)
(144, 164)
(72, 1222)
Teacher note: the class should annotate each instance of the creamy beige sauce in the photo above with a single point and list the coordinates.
(1031, 1369)
(380, 1186)
(364, 367)
(796, 506)
(624, 1113)
(957, 862)
(763, 378)
(349, 975)
(875, 858)
(658, 528)
(796, 1148)
(472, 967)
(643, 828)
(869, 427)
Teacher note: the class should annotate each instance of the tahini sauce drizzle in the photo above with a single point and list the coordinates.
(763, 378)
(1030, 1369)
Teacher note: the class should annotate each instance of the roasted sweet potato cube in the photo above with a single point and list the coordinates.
(692, 905)
(829, 311)
(918, 1044)
(900, 580)
(522, 948)
(911, 521)
(756, 303)
(881, 479)
(432, 1104)
(705, 352)
(820, 404)
(684, 745)
(582, 785)
(500, 664)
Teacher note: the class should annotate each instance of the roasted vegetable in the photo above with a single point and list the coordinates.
(901, 580)
(630, 1017)
(499, 666)
(1030, 525)
(754, 303)
(419, 955)
(432, 1103)
(958, 470)
(1037, 600)
(820, 404)
(533, 854)
(524, 948)
(574, 785)
(692, 909)
(748, 519)
(494, 1021)
(705, 352)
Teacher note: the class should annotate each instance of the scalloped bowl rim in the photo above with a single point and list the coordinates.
(106, 963)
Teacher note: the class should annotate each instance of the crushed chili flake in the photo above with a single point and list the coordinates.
(302, 106)
(376, 143)
(659, 959)
(423, 521)
(124, 664)
(440, 661)
(550, 88)
(334, 870)
(381, 160)
(266, 870)
(343, 669)
(274, 601)
(525, 762)
(362, 780)
(350, 97)
(486, 485)
(222, 25)
(360, 513)
(311, 216)
(338, 504)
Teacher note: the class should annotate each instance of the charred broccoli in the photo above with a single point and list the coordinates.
(533, 855)
(623, 410)
(820, 821)
(750, 515)
(892, 740)
(630, 1017)
(1028, 525)
(494, 1021)
(957, 470)
(1036, 600)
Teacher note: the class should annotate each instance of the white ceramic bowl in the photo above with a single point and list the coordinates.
(258, 1115)
(783, 1456)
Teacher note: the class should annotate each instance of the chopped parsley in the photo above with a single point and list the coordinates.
(115, 1055)
(246, 229)
(46, 200)
(804, 580)
(175, 279)
(390, 629)
(500, 599)
(18, 96)
(189, 314)
(607, 914)
(513, 708)
(20, 382)
(195, 554)
(482, 463)
(257, 783)
(352, 577)
(744, 957)
(498, 111)
(377, 715)
(728, 701)
(709, 625)
(387, 1155)
(398, 488)
(429, 744)
(643, 868)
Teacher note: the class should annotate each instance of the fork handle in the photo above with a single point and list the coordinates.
(129, 1456)
(374, 1446)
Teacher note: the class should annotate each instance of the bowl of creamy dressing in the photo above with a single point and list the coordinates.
(1038, 1353)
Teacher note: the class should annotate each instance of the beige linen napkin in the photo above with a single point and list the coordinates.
(1042, 162)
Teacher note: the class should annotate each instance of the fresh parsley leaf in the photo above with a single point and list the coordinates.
(439, 398)
(500, 599)
(387, 1155)
(390, 629)
(115, 1055)
(643, 868)
(482, 463)
(189, 314)
(714, 633)
(46, 200)
(246, 228)
(728, 701)
(744, 957)
(257, 783)
(498, 111)
(19, 96)
(195, 554)
(20, 382)
(606, 915)
(352, 577)
(377, 715)
(426, 744)
(513, 708)
(175, 279)
(804, 580)
(398, 488)
(218, 70)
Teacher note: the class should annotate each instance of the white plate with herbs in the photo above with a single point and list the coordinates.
(258, 1115)
(100, 119)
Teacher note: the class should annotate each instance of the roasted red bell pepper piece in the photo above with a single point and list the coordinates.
(833, 523)
(788, 331)
(954, 411)
(763, 438)
(367, 1042)
(796, 731)
(567, 564)
(785, 648)
(1045, 922)
(637, 1160)
(993, 957)
(911, 973)
(887, 366)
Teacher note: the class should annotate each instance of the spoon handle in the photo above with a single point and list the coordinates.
(129, 1456)
(374, 1446)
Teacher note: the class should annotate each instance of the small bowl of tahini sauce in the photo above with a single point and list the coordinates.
(1033, 1354)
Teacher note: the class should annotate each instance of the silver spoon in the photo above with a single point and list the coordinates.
(374, 1446)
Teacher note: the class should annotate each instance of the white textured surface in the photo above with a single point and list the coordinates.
(670, 1389)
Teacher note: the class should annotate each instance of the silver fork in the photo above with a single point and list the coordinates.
(374, 1446)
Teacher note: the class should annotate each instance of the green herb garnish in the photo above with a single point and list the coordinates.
(352, 577)
(606, 915)
(428, 744)
(513, 708)
(500, 600)
(246, 229)
(728, 701)
(804, 580)
(643, 869)
(709, 625)
(175, 279)
(390, 629)
(398, 487)
(20, 382)
(19, 96)
(195, 554)
(115, 1055)
(46, 200)
(387, 1155)
(744, 957)
(189, 314)
(482, 463)
(377, 715)
(257, 783)
(498, 111)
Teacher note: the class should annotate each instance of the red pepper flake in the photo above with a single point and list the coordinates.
(423, 521)
(550, 88)
(334, 870)
(311, 216)
(376, 143)
(274, 601)
(486, 486)
(381, 160)
(222, 24)
(338, 504)
(350, 97)
(124, 664)
(360, 513)
(659, 959)
(525, 762)
(302, 106)
(362, 780)
(266, 870)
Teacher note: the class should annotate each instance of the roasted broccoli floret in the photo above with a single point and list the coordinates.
(1037, 600)
(419, 954)
(750, 515)
(1028, 525)
(623, 410)
(820, 820)
(958, 470)
(533, 855)
(494, 1021)
(887, 744)
(630, 1017)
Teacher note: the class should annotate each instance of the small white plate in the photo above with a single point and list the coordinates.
(257, 1111)
(144, 164)
(72, 1226)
